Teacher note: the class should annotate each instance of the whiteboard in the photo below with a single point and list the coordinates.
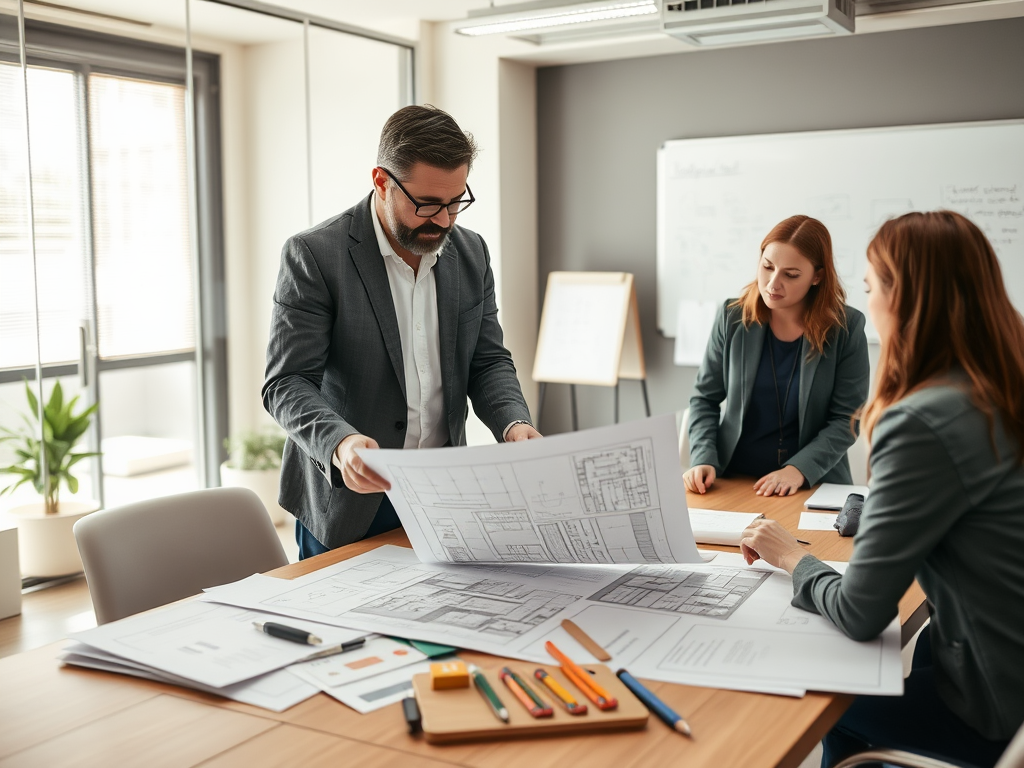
(719, 197)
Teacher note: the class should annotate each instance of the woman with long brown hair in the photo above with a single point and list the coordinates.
(790, 359)
(946, 427)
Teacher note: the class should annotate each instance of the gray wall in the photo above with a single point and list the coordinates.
(600, 125)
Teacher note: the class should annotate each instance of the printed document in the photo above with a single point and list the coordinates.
(600, 496)
(276, 691)
(722, 624)
(214, 645)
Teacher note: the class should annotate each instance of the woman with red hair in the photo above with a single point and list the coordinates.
(946, 426)
(791, 361)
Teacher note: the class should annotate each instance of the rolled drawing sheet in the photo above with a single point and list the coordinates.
(607, 495)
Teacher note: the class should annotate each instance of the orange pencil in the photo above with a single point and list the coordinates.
(524, 698)
(582, 679)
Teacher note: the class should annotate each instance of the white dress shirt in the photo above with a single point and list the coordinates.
(415, 297)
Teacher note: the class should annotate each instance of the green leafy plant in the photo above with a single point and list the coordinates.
(255, 450)
(62, 428)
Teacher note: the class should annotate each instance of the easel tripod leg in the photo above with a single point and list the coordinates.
(575, 418)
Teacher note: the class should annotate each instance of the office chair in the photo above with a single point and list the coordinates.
(157, 551)
(683, 423)
(1013, 757)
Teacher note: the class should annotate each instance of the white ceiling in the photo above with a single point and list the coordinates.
(394, 17)
(401, 18)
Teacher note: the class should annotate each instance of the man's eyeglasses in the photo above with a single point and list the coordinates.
(429, 210)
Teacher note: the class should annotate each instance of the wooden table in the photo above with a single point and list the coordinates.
(56, 716)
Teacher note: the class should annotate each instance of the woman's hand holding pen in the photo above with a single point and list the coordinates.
(767, 540)
(699, 479)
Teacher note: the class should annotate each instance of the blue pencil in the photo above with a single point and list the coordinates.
(664, 712)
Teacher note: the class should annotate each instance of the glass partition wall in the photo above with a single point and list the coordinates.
(112, 244)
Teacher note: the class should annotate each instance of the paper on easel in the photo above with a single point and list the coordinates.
(589, 330)
(694, 321)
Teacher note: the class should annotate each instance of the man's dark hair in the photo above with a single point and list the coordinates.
(424, 134)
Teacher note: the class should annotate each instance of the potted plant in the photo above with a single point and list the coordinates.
(46, 542)
(254, 462)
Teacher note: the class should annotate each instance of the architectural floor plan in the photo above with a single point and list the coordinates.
(715, 592)
(594, 497)
(501, 610)
(724, 624)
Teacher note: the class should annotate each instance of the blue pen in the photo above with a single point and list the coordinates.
(664, 712)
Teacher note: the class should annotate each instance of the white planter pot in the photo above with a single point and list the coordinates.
(46, 543)
(263, 482)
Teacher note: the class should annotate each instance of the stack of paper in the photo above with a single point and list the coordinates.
(212, 648)
(833, 495)
(712, 526)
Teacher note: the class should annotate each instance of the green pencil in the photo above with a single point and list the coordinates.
(481, 684)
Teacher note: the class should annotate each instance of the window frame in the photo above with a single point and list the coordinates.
(87, 52)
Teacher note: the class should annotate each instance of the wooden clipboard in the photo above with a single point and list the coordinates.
(463, 715)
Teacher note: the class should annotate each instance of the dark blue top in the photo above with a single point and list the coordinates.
(757, 452)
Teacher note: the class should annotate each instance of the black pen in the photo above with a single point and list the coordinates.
(348, 645)
(287, 633)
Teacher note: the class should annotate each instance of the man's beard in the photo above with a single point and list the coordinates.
(409, 237)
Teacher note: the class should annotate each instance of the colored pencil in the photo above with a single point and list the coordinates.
(581, 678)
(568, 701)
(524, 698)
(481, 684)
(664, 712)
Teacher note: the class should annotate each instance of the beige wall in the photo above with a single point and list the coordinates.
(495, 98)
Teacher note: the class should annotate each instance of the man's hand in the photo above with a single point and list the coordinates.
(767, 540)
(699, 479)
(522, 432)
(784, 482)
(357, 476)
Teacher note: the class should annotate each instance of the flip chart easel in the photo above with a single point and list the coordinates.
(589, 334)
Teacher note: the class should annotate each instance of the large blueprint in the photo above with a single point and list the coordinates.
(600, 496)
(721, 624)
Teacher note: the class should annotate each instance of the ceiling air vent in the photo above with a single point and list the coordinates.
(735, 22)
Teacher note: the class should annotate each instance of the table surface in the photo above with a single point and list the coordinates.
(52, 715)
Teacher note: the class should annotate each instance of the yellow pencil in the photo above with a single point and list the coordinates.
(571, 705)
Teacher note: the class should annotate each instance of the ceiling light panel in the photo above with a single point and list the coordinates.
(509, 21)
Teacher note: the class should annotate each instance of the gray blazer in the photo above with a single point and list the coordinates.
(335, 368)
(947, 509)
(832, 387)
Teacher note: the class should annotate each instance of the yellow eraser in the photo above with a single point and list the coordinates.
(448, 674)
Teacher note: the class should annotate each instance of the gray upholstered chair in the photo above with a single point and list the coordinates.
(157, 551)
(1013, 757)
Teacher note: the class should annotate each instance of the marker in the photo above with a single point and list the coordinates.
(284, 632)
(481, 684)
(411, 711)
